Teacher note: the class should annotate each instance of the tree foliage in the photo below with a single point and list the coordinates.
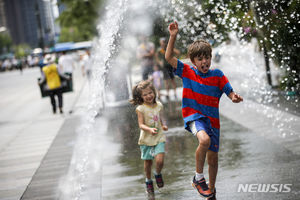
(78, 21)
(275, 24)
(279, 23)
(21, 50)
(5, 43)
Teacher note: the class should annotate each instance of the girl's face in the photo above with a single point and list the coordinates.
(202, 63)
(148, 95)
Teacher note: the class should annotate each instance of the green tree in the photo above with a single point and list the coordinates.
(5, 43)
(274, 23)
(78, 21)
(68, 34)
(279, 22)
(21, 50)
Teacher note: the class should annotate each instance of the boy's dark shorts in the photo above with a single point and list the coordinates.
(204, 124)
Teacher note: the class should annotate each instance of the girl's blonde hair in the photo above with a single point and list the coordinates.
(137, 92)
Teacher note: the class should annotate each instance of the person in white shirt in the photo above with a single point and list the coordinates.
(65, 63)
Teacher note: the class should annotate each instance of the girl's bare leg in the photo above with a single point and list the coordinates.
(159, 161)
(147, 168)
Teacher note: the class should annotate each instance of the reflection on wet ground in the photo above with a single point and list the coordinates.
(244, 158)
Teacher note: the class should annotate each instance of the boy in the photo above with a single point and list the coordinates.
(202, 90)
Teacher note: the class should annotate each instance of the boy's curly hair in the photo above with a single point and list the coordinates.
(199, 48)
(137, 92)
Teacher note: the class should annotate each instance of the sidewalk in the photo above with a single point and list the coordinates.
(30, 131)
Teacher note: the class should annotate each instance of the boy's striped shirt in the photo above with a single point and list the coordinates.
(202, 93)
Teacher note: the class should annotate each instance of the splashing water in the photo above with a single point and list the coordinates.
(83, 180)
(85, 167)
(244, 65)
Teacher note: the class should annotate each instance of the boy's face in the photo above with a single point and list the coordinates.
(202, 63)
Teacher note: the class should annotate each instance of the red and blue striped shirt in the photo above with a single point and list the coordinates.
(202, 93)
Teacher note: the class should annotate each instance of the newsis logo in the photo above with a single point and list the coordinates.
(265, 187)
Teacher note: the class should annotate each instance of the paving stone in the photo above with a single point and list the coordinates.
(45, 182)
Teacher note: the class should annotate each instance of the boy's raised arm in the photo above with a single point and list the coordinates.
(173, 30)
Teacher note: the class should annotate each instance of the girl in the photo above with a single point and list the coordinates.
(152, 140)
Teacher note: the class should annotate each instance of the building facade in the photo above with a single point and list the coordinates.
(30, 22)
(2, 16)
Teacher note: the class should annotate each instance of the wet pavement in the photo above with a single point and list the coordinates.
(245, 158)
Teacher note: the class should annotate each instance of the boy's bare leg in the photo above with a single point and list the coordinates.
(212, 159)
(147, 168)
(159, 162)
(204, 142)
